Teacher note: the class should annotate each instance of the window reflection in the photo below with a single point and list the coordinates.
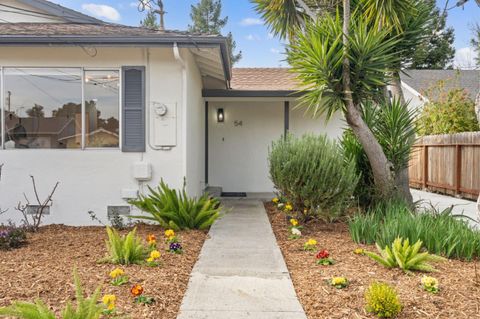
(102, 108)
(43, 108)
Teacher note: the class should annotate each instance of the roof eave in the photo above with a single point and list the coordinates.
(69, 40)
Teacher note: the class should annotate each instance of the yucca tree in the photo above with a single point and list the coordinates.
(340, 76)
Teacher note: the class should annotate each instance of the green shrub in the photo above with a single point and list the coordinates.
(12, 236)
(172, 209)
(404, 256)
(310, 173)
(125, 250)
(451, 112)
(87, 308)
(382, 300)
(394, 127)
(441, 232)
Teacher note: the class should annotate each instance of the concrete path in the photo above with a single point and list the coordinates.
(441, 202)
(241, 272)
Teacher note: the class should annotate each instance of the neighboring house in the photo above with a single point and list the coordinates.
(416, 83)
(106, 109)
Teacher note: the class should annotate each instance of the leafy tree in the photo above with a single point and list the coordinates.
(347, 58)
(36, 111)
(436, 51)
(476, 41)
(206, 19)
(150, 20)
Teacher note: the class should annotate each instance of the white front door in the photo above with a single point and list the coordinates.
(238, 147)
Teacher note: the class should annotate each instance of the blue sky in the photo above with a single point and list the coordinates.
(259, 48)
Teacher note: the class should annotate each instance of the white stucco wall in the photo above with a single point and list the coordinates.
(14, 15)
(92, 179)
(195, 144)
(238, 154)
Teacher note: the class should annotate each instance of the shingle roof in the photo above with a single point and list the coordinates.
(263, 79)
(422, 80)
(83, 29)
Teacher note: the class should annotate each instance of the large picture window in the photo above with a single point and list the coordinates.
(43, 108)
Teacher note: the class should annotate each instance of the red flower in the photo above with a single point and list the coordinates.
(322, 254)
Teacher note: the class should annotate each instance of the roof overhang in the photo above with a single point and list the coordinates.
(251, 93)
(207, 58)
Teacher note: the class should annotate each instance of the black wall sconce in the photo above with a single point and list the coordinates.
(220, 116)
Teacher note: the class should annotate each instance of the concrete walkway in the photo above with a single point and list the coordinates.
(441, 202)
(241, 272)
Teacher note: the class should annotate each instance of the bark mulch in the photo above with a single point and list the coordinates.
(43, 269)
(459, 295)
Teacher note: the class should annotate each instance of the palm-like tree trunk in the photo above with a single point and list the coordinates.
(381, 167)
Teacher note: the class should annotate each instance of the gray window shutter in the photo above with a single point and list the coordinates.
(133, 109)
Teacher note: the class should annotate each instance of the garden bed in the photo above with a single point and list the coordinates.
(43, 269)
(459, 295)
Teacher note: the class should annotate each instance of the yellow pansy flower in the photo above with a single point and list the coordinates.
(116, 272)
(294, 222)
(339, 281)
(311, 242)
(155, 254)
(109, 301)
(288, 207)
(169, 233)
(275, 200)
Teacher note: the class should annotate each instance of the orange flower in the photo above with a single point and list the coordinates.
(136, 290)
(151, 239)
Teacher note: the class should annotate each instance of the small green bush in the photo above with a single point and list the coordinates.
(404, 256)
(172, 209)
(124, 250)
(441, 232)
(382, 300)
(87, 308)
(12, 236)
(451, 112)
(310, 172)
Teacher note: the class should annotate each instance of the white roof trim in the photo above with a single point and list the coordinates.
(415, 92)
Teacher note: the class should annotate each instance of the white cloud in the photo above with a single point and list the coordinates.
(253, 37)
(270, 35)
(102, 11)
(133, 4)
(275, 51)
(465, 58)
(251, 21)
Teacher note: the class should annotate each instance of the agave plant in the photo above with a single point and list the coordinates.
(125, 250)
(174, 209)
(405, 256)
(87, 308)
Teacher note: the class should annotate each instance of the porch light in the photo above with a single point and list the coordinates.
(220, 116)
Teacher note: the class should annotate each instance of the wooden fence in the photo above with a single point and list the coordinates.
(448, 164)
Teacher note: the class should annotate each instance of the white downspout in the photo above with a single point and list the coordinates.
(179, 59)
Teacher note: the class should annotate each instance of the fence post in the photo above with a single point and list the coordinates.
(458, 168)
(425, 166)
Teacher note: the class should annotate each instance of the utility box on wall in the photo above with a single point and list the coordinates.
(163, 124)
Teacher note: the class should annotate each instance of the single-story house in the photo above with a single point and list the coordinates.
(107, 109)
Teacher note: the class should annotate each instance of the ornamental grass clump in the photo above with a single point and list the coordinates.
(441, 232)
(311, 174)
(382, 300)
(405, 256)
(125, 250)
(174, 209)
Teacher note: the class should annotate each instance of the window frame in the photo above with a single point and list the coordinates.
(83, 147)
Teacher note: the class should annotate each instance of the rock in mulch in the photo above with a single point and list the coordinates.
(459, 295)
(43, 269)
